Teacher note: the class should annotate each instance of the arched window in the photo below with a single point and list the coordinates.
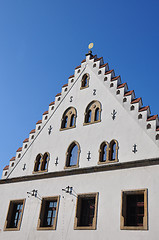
(72, 155)
(93, 113)
(103, 152)
(85, 81)
(113, 150)
(148, 126)
(45, 161)
(37, 163)
(69, 118)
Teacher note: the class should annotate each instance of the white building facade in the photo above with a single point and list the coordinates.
(90, 167)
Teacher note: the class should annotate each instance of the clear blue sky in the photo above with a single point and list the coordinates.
(42, 41)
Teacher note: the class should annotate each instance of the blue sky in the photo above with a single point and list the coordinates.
(42, 41)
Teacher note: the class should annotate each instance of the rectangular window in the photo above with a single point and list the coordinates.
(48, 213)
(86, 211)
(14, 216)
(134, 210)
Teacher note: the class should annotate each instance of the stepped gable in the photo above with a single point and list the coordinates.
(119, 86)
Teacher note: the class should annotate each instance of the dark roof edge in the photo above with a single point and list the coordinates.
(77, 171)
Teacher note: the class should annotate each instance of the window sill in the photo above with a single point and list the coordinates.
(63, 129)
(37, 172)
(107, 162)
(91, 122)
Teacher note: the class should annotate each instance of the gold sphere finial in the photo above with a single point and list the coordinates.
(90, 46)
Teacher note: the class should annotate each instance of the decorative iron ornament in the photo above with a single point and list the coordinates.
(134, 148)
(113, 114)
(24, 167)
(49, 130)
(89, 156)
(56, 161)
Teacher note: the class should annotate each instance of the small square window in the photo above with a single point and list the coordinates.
(86, 211)
(14, 216)
(134, 210)
(48, 213)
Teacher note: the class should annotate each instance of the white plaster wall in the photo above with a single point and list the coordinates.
(125, 128)
(109, 184)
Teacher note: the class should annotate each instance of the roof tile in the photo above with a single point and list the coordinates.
(136, 100)
(128, 93)
(122, 85)
(109, 71)
(46, 112)
(65, 85)
(83, 61)
(71, 76)
(38, 122)
(115, 78)
(26, 140)
(19, 149)
(152, 117)
(103, 65)
(78, 67)
(98, 59)
(143, 109)
(59, 94)
(52, 103)
(32, 131)
(12, 159)
(6, 167)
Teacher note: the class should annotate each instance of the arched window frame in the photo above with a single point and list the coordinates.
(71, 111)
(113, 141)
(37, 164)
(101, 152)
(93, 106)
(46, 155)
(83, 86)
(42, 161)
(68, 155)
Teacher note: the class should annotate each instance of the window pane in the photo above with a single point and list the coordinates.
(72, 123)
(96, 115)
(87, 212)
(104, 153)
(134, 210)
(73, 156)
(65, 122)
(89, 116)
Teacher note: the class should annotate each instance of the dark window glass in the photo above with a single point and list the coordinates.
(85, 81)
(72, 123)
(45, 162)
(37, 163)
(104, 153)
(50, 213)
(96, 114)
(134, 210)
(88, 120)
(113, 151)
(73, 156)
(87, 211)
(15, 215)
(65, 122)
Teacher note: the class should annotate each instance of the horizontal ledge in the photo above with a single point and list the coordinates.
(77, 171)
